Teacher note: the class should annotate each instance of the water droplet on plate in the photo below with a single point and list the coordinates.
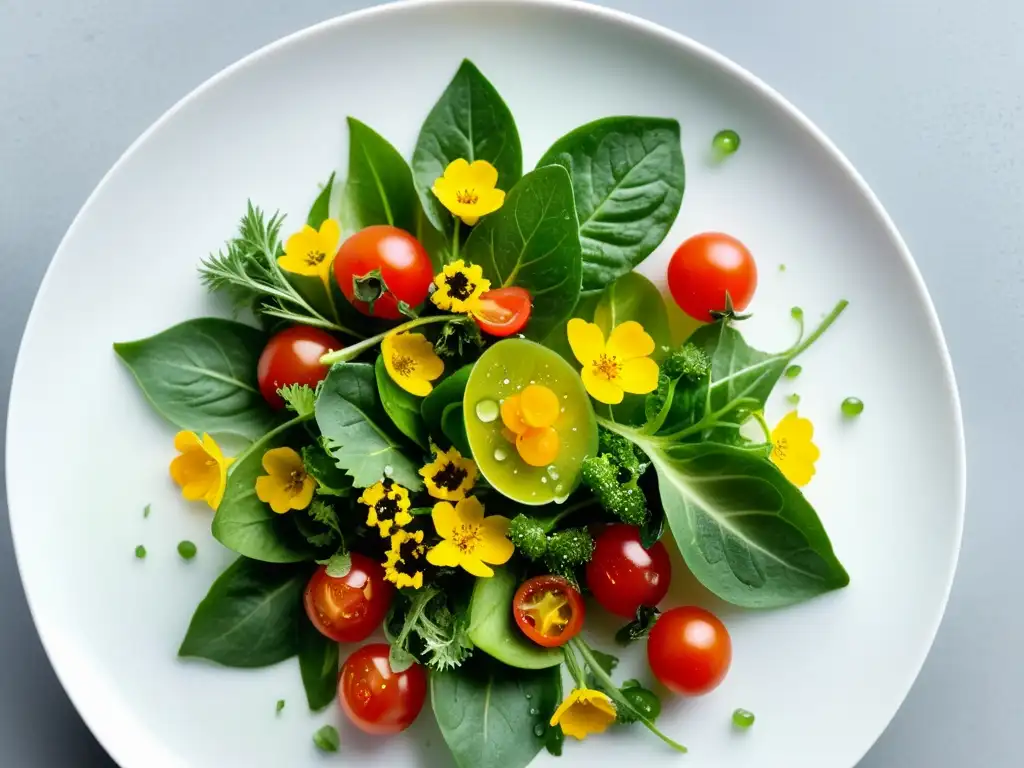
(487, 411)
(558, 489)
(543, 479)
(506, 381)
(553, 472)
(500, 454)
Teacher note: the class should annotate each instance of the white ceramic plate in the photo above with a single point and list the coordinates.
(86, 453)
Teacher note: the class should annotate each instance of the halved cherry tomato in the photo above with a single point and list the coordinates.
(689, 650)
(377, 699)
(503, 311)
(707, 266)
(623, 575)
(402, 261)
(292, 356)
(348, 609)
(549, 610)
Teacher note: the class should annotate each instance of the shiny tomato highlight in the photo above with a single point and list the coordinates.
(349, 608)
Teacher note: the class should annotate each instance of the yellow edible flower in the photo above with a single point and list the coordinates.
(622, 365)
(311, 252)
(470, 539)
(202, 468)
(286, 485)
(406, 548)
(459, 287)
(584, 711)
(468, 189)
(389, 506)
(449, 476)
(411, 362)
(792, 450)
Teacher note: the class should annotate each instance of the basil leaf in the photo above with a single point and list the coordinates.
(449, 391)
(250, 617)
(318, 665)
(245, 524)
(201, 376)
(628, 177)
(320, 211)
(533, 241)
(355, 429)
(490, 715)
(470, 121)
(492, 628)
(745, 531)
(402, 407)
(379, 188)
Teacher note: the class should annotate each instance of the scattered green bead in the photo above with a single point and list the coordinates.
(742, 718)
(797, 313)
(140, 552)
(782, 267)
(187, 549)
(726, 142)
(145, 510)
(280, 706)
(793, 399)
(852, 406)
(326, 739)
(793, 371)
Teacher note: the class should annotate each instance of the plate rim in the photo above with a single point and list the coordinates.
(107, 737)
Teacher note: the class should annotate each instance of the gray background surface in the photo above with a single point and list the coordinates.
(924, 96)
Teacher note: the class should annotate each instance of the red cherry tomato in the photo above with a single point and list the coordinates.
(348, 609)
(503, 311)
(707, 266)
(292, 356)
(377, 699)
(689, 650)
(549, 610)
(403, 263)
(623, 575)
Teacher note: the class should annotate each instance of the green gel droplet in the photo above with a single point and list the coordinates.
(140, 552)
(782, 267)
(742, 718)
(794, 398)
(726, 142)
(793, 371)
(187, 549)
(797, 313)
(852, 406)
(487, 411)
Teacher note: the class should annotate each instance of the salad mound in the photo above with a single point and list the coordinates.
(461, 410)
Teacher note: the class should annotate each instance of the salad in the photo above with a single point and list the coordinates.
(449, 409)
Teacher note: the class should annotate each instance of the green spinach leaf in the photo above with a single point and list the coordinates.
(628, 177)
(533, 242)
(320, 211)
(356, 429)
(453, 425)
(449, 391)
(379, 188)
(250, 617)
(402, 407)
(493, 630)
(201, 375)
(490, 714)
(318, 664)
(470, 121)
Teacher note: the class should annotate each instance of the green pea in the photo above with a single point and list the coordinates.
(140, 552)
(852, 406)
(742, 718)
(793, 371)
(793, 399)
(187, 549)
(725, 143)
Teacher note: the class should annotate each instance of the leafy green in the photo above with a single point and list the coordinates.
(356, 429)
(245, 524)
(639, 627)
(469, 121)
(327, 739)
(379, 188)
(318, 664)
(402, 407)
(532, 242)
(613, 475)
(299, 398)
(493, 630)
(453, 426)
(338, 565)
(201, 376)
(432, 630)
(628, 178)
(330, 481)
(492, 716)
(449, 391)
(320, 211)
(250, 617)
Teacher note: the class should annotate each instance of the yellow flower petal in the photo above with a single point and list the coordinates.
(468, 190)
(281, 462)
(444, 555)
(583, 712)
(184, 441)
(446, 520)
(494, 546)
(457, 170)
(270, 490)
(201, 469)
(305, 252)
(586, 340)
(470, 511)
(600, 388)
(329, 235)
(474, 566)
(639, 376)
(629, 340)
(304, 497)
(482, 174)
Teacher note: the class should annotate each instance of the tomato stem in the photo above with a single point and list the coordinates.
(353, 351)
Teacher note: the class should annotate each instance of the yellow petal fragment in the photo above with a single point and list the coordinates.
(600, 388)
(639, 376)
(629, 340)
(586, 340)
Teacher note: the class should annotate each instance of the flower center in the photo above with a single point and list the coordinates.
(467, 197)
(780, 449)
(607, 366)
(403, 365)
(459, 286)
(315, 258)
(467, 537)
(296, 480)
(450, 477)
(387, 508)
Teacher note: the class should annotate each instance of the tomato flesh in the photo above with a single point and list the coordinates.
(377, 699)
(503, 311)
(689, 650)
(706, 267)
(549, 610)
(623, 575)
(292, 356)
(402, 261)
(349, 608)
